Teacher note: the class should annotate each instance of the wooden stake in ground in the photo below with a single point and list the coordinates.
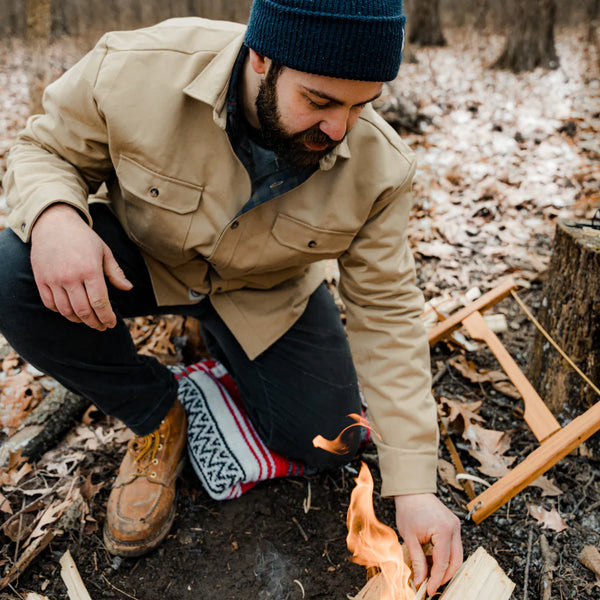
(479, 578)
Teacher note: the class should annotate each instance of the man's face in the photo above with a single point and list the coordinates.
(303, 117)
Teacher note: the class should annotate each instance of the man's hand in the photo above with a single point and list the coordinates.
(69, 262)
(422, 518)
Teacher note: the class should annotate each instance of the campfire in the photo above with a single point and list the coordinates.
(375, 545)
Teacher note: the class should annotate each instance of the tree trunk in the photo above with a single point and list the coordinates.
(530, 42)
(570, 313)
(593, 14)
(424, 23)
(38, 33)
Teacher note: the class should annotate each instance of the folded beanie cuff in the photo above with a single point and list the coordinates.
(361, 45)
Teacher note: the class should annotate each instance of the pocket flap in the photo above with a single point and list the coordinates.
(162, 191)
(296, 234)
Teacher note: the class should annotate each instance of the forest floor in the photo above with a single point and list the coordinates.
(502, 157)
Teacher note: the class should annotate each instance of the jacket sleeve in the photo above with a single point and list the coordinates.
(62, 155)
(390, 346)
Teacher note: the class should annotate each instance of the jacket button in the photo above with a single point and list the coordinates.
(154, 192)
(312, 244)
(235, 225)
(23, 226)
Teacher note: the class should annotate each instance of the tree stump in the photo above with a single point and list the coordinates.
(570, 313)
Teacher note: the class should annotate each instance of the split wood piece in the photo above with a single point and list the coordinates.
(537, 463)
(45, 425)
(454, 321)
(70, 575)
(480, 577)
(537, 415)
(590, 558)
(27, 557)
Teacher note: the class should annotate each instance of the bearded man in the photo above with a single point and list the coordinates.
(233, 159)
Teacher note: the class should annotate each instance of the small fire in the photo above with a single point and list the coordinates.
(374, 544)
(336, 446)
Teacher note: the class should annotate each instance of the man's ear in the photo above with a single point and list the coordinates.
(259, 62)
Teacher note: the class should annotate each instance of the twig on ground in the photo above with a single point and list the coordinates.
(300, 529)
(549, 563)
(528, 563)
(114, 587)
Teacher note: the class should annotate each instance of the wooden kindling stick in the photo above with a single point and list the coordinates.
(479, 577)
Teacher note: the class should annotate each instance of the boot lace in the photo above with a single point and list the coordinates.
(148, 447)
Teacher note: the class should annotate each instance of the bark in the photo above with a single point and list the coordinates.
(46, 425)
(424, 23)
(570, 313)
(593, 15)
(38, 33)
(530, 41)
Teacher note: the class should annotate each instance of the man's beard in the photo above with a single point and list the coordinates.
(290, 147)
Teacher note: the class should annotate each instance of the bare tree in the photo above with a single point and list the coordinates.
(38, 33)
(530, 42)
(593, 15)
(424, 23)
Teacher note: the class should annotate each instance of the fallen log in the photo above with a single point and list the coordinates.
(479, 578)
(41, 430)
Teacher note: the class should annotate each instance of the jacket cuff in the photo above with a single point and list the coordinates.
(405, 472)
(22, 218)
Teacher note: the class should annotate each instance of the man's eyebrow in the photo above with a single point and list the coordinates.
(336, 100)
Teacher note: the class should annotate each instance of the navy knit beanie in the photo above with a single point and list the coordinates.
(350, 39)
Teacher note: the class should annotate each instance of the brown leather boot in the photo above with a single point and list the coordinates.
(141, 506)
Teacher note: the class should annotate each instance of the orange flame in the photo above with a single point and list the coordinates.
(374, 544)
(336, 446)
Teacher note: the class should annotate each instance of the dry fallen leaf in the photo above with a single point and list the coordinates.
(547, 486)
(5, 505)
(466, 410)
(488, 447)
(447, 473)
(549, 519)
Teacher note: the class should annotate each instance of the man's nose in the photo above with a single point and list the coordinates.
(335, 125)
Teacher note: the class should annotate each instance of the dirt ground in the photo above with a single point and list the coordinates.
(265, 544)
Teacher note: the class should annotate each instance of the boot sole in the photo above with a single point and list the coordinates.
(118, 547)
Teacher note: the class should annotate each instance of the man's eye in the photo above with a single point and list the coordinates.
(315, 104)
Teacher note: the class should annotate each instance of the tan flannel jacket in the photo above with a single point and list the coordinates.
(144, 112)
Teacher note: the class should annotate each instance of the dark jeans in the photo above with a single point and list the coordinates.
(303, 385)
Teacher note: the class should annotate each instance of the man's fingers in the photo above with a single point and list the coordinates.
(447, 555)
(83, 307)
(97, 295)
(63, 305)
(441, 562)
(418, 560)
(456, 557)
(113, 271)
(47, 297)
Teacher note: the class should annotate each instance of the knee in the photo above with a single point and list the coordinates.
(16, 278)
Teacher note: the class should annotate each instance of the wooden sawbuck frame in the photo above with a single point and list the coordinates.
(555, 441)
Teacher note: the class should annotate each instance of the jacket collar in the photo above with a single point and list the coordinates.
(211, 86)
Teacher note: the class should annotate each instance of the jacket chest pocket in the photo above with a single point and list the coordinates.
(295, 243)
(158, 210)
